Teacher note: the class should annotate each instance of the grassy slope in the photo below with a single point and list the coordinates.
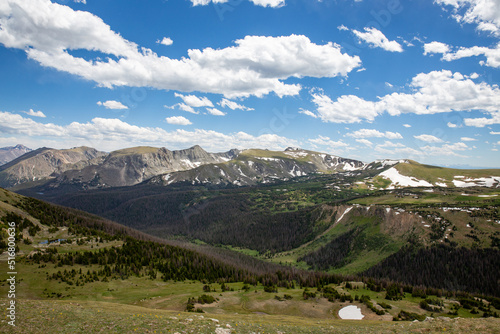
(435, 174)
(36, 316)
(146, 305)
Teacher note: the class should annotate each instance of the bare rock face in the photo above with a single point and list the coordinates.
(7, 154)
(134, 165)
(87, 168)
(252, 167)
(46, 163)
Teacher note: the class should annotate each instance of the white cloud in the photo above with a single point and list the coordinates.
(195, 101)
(407, 125)
(421, 153)
(255, 65)
(165, 41)
(484, 13)
(329, 145)
(481, 122)
(263, 3)
(494, 133)
(468, 139)
(111, 134)
(185, 107)
(434, 92)
(215, 112)
(375, 38)
(112, 105)
(390, 144)
(451, 125)
(307, 112)
(365, 142)
(232, 105)
(445, 150)
(38, 113)
(372, 133)
(178, 120)
(435, 47)
(269, 3)
(429, 138)
(342, 28)
(347, 109)
(492, 55)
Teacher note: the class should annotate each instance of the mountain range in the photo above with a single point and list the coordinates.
(12, 152)
(84, 168)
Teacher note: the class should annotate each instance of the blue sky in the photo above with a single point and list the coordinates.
(359, 79)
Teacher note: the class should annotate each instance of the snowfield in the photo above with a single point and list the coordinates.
(351, 312)
(482, 181)
(401, 180)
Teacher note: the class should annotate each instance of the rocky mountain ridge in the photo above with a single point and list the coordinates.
(87, 168)
(10, 153)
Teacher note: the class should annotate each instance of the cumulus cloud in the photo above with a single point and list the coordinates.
(492, 55)
(468, 139)
(484, 13)
(435, 47)
(434, 92)
(215, 112)
(110, 134)
(347, 109)
(38, 113)
(255, 65)
(263, 3)
(372, 133)
(421, 153)
(376, 39)
(329, 145)
(178, 120)
(232, 105)
(481, 122)
(165, 41)
(428, 138)
(110, 104)
(407, 125)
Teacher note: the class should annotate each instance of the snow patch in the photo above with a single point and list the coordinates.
(351, 312)
(346, 211)
(401, 180)
(482, 182)
(297, 154)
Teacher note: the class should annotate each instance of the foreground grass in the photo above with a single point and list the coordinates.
(43, 316)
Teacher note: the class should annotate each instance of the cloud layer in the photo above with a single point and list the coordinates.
(110, 134)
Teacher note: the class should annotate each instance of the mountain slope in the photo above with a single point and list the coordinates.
(253, 167)
(45, 163)
(408, 173)
(10, 153)
(134, 165)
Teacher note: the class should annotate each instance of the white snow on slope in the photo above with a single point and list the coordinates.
(482, 181)
(346, 211)
(401, 180)
(351, 312)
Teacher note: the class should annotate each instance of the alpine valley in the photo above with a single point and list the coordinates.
(255, 238)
